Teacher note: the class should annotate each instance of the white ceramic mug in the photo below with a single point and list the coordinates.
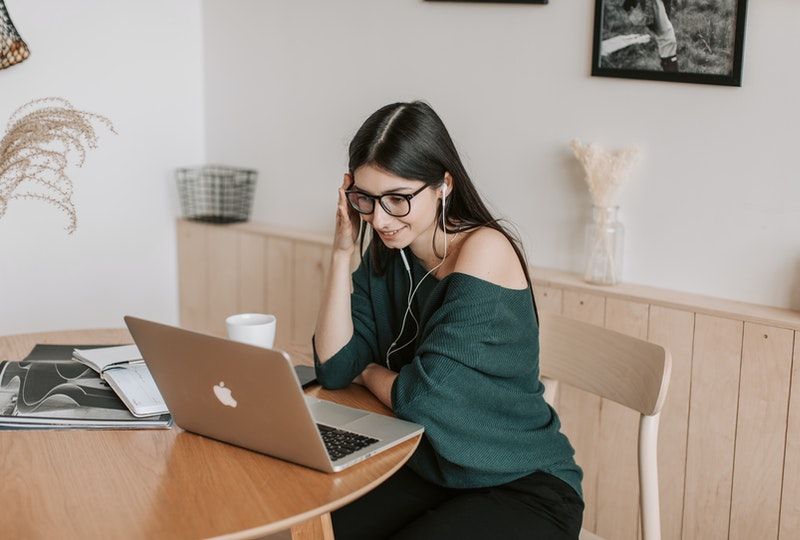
(252, 328)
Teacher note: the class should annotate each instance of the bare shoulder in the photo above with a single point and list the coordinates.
(487, 254)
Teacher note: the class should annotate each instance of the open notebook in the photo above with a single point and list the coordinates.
(125, 371)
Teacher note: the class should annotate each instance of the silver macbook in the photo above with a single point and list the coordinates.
(251, 397)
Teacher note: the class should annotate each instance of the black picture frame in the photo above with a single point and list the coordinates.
(697, 66)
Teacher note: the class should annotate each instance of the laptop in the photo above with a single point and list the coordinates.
(251, 397)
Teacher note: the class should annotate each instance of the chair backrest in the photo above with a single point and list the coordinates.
(630, 371)
(624, 369)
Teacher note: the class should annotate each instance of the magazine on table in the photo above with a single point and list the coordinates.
(76, 396)
(63, 393)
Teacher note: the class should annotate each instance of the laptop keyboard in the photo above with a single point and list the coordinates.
(340, 443)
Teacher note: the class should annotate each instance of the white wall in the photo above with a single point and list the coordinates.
(714, 208)
(140, 64)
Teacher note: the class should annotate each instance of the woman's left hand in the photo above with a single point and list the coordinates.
(378, 380)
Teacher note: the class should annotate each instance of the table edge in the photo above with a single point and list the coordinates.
(278, 526)
(114, 334)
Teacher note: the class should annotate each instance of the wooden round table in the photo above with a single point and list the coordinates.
(168, 483)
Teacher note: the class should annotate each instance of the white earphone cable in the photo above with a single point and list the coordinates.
(391, 348)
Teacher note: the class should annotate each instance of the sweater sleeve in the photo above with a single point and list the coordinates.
(466, 384)
(344, 366)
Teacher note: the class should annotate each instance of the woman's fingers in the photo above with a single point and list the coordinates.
(347, 180)
(342, 202)
(342, 212)
(346, 222)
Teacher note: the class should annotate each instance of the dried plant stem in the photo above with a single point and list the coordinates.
(602, 252)
(605, 170)
(41, 138)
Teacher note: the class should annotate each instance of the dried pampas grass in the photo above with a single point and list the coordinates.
(40, 141)
(605, 170)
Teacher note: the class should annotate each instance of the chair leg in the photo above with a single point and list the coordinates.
(648, 477)
(318, 528)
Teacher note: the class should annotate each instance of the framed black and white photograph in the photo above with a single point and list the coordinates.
(694, 41)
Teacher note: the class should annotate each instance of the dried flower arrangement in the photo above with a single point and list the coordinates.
(35, 151)
(605, 172)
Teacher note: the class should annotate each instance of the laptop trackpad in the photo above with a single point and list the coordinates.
(331, 414)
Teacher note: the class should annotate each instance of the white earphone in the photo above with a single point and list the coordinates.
(413, 290)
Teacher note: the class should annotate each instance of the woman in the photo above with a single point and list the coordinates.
(441, 326)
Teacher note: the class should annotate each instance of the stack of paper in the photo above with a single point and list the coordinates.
(124, 370)
(102, 358)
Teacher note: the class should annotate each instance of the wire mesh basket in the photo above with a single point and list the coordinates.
(216, 194)
(13, 49)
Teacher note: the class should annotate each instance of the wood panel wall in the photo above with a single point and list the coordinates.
(729, 443)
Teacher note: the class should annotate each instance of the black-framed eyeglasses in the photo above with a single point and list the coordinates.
(395, 204)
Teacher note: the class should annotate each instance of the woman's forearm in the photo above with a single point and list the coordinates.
(379, 380)
(334, 321)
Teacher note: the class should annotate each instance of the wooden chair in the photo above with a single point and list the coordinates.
(630, 371)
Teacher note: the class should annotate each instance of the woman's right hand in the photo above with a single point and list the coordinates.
(347, 220)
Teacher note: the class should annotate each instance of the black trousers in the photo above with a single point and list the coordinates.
(538, 506)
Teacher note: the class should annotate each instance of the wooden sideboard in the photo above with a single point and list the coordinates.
(729, 445)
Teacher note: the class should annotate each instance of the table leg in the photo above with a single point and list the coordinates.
(318, 528)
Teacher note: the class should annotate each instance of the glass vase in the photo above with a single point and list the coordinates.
(605, 238)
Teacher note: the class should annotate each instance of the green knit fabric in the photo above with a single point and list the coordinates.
(470, 376)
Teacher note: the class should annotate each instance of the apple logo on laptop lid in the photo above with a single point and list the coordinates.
(224, 394)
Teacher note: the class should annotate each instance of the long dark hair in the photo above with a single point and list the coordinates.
(409, 140)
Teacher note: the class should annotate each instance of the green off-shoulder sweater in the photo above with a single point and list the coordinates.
(470, 376)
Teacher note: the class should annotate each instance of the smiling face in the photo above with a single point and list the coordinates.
(414, 229)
